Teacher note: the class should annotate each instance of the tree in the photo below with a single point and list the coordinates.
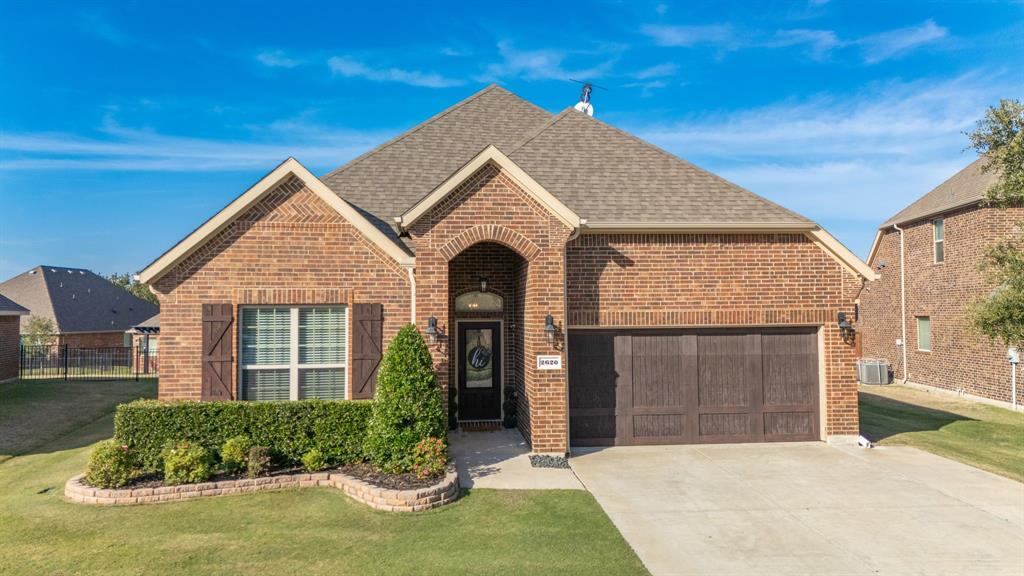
(407, 405)
(136, 288)
(999, 137)
(38, 331)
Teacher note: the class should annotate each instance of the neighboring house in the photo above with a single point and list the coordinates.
(10, 337)
(87, 309)
(145, 338)
(573, 279)
(944, 235)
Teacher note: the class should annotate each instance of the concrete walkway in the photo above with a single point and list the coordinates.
(807, 509)
(501, 460)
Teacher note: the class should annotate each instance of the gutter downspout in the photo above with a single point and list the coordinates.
(903, 304)
(412, 295)
(565, 318)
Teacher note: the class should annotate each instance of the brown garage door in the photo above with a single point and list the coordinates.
(693, 386)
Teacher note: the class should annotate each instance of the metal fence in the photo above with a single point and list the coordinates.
(63, 362)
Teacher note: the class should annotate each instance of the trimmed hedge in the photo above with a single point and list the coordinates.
(337, 428)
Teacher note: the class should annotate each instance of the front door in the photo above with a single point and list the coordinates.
(479, 371)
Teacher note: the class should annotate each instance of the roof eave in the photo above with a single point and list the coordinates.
(608, 227)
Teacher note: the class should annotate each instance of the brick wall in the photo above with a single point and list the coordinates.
(960, 359)
(10, 346)
(92, 339)
(498, 264)
(289, 248)
(720, 280)
(490, 207)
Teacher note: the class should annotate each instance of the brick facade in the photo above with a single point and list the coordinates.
(289, 248)
(960, 359)
(91, 339)
(688, 280)
(489, 207)
(10, 347)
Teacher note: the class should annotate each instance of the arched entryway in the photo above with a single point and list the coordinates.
(486, 302)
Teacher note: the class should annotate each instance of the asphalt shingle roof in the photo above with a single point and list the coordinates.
(967, 186)
(607, 175)
(8, 306)
(77, 300)
(602, 173)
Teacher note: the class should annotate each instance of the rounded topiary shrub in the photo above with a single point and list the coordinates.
(234, 454)
(186, 463)
(315, 461)
(407, 404)
(110, 465)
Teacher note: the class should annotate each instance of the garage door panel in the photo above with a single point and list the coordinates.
(730, 370)
(672, 386)
(664, 366)
(790, 424)
(790, 368)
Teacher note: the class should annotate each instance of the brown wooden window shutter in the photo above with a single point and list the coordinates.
(218, 320)
(367, 348)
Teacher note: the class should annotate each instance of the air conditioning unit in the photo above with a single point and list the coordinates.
(872, 371)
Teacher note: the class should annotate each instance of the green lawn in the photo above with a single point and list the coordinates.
(34, 413)
(985, 436)
(304, 531)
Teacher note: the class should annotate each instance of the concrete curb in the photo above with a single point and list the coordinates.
(444, 492)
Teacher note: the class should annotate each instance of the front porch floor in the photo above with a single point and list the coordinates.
(500, 459)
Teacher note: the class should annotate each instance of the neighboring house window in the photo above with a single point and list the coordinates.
(924, 333)
(939, 235)
(293, 352)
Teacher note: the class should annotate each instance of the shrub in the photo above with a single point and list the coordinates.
(186, 463)
(234, 454)
(407, 407)
(258, 462)
(429, 457)
(289, 428)
(110, 465)
(314, 461)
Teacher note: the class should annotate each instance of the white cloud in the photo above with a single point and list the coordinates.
(842, 160)
(715, 34)
(820, 43)
(277, 59)
(657, 71)
(541, 64)
(116, 148)
(352, 68)
(895, 43)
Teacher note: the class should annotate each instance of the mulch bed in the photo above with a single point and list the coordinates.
(407, 481)
(362, 471)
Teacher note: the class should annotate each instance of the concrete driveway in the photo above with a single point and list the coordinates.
(807, 509)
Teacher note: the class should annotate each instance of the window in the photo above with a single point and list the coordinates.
(293, 353)
(924, 333)
(939, 236)
(478, 302)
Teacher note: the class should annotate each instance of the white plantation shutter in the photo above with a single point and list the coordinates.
(293, 352)
(321, 335)
(265, 336)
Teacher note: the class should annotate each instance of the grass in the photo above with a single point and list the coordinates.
(305, 531)
(34, 413)
(984, 436)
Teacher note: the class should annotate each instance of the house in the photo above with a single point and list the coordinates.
(87, 309)
(927, 256)
(572, 280)
(145, 338)
(10, 337)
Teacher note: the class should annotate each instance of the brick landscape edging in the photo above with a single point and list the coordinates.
(444, 492)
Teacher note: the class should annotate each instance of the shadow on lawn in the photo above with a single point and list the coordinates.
(882, 417)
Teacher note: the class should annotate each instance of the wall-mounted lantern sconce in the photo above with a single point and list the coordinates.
(432, 330)
(483, 284)
(549, 328)
(845, 328)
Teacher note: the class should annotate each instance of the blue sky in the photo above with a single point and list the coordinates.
(123, 125)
